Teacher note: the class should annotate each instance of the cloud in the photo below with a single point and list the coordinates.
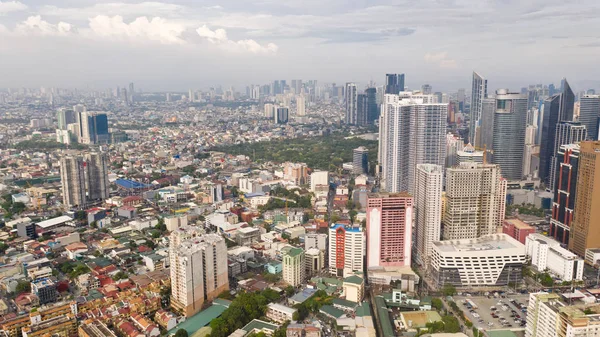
(441, 59)
(219, 37)
(127, 10)
(155, 29)
(11, 6)
(34, 25)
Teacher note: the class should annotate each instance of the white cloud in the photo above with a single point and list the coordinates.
(441, 59)
(219, 37)
(11, 6)
(156, 29)
(127, 10)
(34, 25)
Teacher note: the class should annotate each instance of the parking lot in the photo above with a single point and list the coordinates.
(495, 313)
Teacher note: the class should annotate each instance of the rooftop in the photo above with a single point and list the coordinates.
(518, 224)
(484, 243)
(54, 221)
(353, 279)
(202, 318)
(347, 228)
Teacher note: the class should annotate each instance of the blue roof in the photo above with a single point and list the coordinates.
(303, 295)
(347, 228)
(126, 183)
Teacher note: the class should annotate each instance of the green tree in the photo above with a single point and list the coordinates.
(3, 247)
(23, 287)
(289, 291)
(449, 290)
(181, 333)
(437, 303)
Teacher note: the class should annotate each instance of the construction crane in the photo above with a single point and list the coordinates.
(484, 150)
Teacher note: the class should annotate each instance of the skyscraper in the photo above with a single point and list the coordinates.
(361, 109)
(198, 268)
(586, 219)
(453, 145)
(394, 83)
(293, 265)
(72, 178)
(300, 105)
(428, 209)
(372, 108)
(412, 131)
(389, 231)
(282, 115)
(566, 133)
(93, 128)
(589, 113)
(65, 117)
(96, 174)
(360, 160)
(346, 250)
(557, 108)
(475, 201)
(510, 123)
(427, 90)
(565, 187)
(351, 104)
(478, 93)
(484, 134)
(131, 92)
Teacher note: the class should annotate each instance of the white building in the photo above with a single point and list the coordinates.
(478, 93)
(491, 260)
(475, 201)
(314, 260)
(280, 313)
(315, 240)
(546, 253)
(347, 248)
(453, 145)
(428, 209)
(412, 130)
(318, 178)
(172, 222)
(198, 266)
(469, 155)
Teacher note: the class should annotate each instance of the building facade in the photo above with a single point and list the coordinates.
(478, 94)
(346, 249)
(510, 123)
(351, 104)
(565, 192)
(360, 160)
(589, 113)
(293, 265)
(428, 209)
(546, 253)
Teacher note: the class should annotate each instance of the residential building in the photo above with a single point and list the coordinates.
(198, 268)
(315, 261)
(315, 240)
(475, 201)
(586, 219)
(351, 104)
(453, 145)
(589, 113)
(546, 253)
(412, 131)
(45, 290)
(428, 209)
(293, 265)
(73, 181)
(478, 94)
(300, 105)
(302, 330)
(346, 249)
(96, 176)
(389, 229)
(63, 326)
(566, 133)
(360, 160)
(510, 123)
(490, 260)
(94, 328)
(517, 229)
(319, 178)
(565, 192)
(354, 288)
(282, 115)
(172, 222)
(280, 313)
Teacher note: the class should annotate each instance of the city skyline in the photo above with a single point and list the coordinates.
(177, 45)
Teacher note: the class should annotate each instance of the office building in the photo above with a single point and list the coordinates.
(315, 240)
(96, 176)
(586, 219)
(351, 104)
(412, 131)
(319, 178)
(93, 128)
(372, 106)
(394, 83)
(72, 176)
(427, 90)
(478, 93)
(389, 229)
(484, 136)
(300, 105)
(65, 117)
(198, 267)
(547, 254)
(469, 155)
(282, 115)
(360, 160)
(45, 290)
(475, 201)
(517, 229)
(428, 209)
(589, 113)
(557, 108)
(293, 265)
(566, 133)
(510, 123)
(346, 249)
(453, 145)
(26, 229)
(565, 187)
(490, 260)
(361, 110)
(314, 260)
(130, 94)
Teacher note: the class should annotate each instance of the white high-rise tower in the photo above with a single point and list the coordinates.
(428, 209)
(478, 93)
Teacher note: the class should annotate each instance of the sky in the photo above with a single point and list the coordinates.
(183, 44)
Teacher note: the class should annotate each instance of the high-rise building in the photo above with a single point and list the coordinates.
(93, 128)
(589, 113)
(484, 134)
(270, 110)
(510, 123)
(389, 229)
(427, 90)
(372, 106)
(351, 104)
(565, 187)
(96, 176)
(72, 178)
(198, 268)
(428, 209)
(131, 92)
(586, 218)
(293, 265)
(557, 108)
(475, 201)
(319, 178)
(282, 115)
(478, 93)
(412, 131)
(566, 133)
(65, 117)
(360, 160)
(394, 83)
(300, 105)
(469, 155)
(361, 109)
(453, 145)
(346, 250)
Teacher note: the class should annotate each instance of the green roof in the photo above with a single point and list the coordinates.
(260, 325)
(385, 323)
(201, 319)
(294, 251)
(344, 303)
(354, 279)
(364, 310)
(501, 333)
(331, 311)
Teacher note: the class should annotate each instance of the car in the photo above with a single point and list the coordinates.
(490, 323)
